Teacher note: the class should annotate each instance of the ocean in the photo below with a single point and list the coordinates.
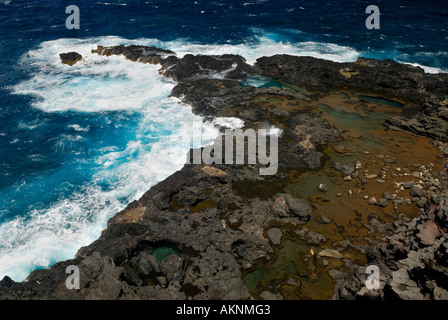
(77, 144)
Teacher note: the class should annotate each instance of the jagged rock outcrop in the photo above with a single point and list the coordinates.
(70, 58)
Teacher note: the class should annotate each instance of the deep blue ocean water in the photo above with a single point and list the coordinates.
(78, 143)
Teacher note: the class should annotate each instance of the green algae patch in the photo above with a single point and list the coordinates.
(206, 204)
(162, 252)
(174, 204)
(208, 192)
(387, 102)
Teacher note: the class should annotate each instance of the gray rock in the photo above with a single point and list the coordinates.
(389, 160)
(346, 169)
(323, 187)
(275, 235)
(421, 202)
(382, 202)
(280, 208)
(416, 192)
(172, 267)
(404, 287)
(162, 281)
(322, 219)
(298, 207)
(408, 185)
(266, 295)
(388, 196)
(362, 179)
(315, 237)
(146, 263)
(440, 294)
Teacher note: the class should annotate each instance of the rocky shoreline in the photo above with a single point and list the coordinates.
(214, 231)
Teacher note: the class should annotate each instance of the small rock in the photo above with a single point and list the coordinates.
(382, 202)
(266, 295)
(346, 169)
(348, 178)
(371, 176)
(315, 237)
(275, 235)
(373, 201)
(70, 58)
(280, 207)
(402, 201)
(422, 202)
(323, 187)
(350, 192)
(381, 181)
(330, 253)
(298, 207)
(416, 192)
(162, 281)
(362, 179)
(388, 196)
(322, 219)
(408, 185)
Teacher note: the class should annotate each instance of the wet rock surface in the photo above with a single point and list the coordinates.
(204, 231)
(70, 58)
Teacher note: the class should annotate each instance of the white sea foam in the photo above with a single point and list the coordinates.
(42, 237)
(77, 127)
(427, 69)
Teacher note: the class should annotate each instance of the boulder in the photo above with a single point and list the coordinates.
(70, 58)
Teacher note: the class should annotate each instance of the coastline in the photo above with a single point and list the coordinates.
(213, 221)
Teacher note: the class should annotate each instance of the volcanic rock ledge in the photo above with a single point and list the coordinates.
(193, 235)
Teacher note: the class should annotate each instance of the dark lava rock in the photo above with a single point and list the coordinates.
(388, 196)
(382, 202)
(384, 76)
(408, 185)
(70, 58)
(218, 231)
(173, 267)
(346, 169)
(194, 67)
(298, 207)
(138, 53)
(275, 235)
(416, 192)
(146, 263)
